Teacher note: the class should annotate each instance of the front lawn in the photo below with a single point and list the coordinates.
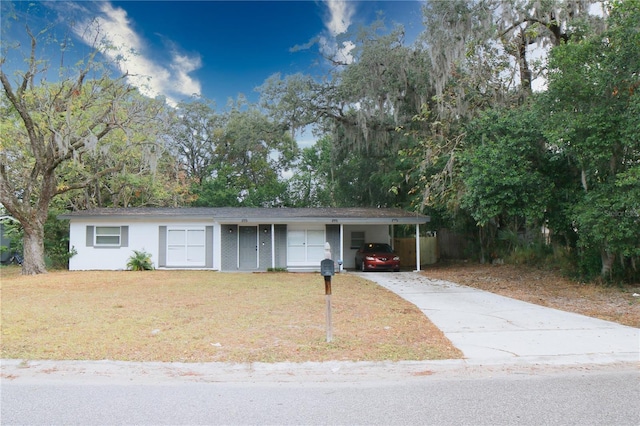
(203, 316)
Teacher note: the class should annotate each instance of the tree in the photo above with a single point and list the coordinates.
(482, 50)
(288, 100)
(593, 105)
(313, 180)
(481, 57)
(196, 133)
(250, 157)
(360, 105)
(503, 173)
(49, 129)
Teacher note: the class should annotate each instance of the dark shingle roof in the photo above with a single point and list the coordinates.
(278, 215)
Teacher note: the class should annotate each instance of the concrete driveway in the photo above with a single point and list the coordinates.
(492, 329)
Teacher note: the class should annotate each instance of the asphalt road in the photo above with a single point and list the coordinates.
(524, 395)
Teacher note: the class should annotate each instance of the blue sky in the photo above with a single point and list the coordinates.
(216, 49)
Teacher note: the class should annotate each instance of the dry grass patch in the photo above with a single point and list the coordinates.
(201, 316)
(547, 288)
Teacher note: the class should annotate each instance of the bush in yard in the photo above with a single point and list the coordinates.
(140, 261)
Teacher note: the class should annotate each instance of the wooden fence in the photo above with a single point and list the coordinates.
(444, 245)
(406, 249)
(452, 245)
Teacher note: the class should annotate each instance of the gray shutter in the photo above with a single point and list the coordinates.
(124, 236)
(162, 249)
(208, 249)
(89, 236)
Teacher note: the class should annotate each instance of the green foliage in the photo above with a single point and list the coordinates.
(525, 248)
(13, 232)
(56, 242)
(592, 119)
(278, 269)
(140, 261)
(505, 189)
(244, 163)
(313, 183)
(358, 105)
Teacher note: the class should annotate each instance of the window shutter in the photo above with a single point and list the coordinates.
(124, 236)
(162, 249)
(89, 236)
(208, 248)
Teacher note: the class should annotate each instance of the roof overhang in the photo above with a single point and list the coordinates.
(240, 215)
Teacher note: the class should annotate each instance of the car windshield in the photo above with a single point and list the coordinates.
(377, 248)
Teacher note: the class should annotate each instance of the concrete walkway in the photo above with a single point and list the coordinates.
(492, 329)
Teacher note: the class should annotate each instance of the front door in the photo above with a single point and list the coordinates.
(248, 247)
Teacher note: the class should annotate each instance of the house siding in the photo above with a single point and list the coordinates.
(139, 236)
(142, 236)
(229, 247)
(264, 247)
(281, 246)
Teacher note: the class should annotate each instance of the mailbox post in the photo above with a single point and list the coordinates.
(327, 270)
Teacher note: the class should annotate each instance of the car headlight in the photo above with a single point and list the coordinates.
(396, 258)
(370, 258)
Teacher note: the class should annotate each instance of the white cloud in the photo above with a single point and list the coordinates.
(150, 75)
(339, 17)
(340, 14)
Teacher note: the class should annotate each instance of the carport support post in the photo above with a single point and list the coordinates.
(417, 247)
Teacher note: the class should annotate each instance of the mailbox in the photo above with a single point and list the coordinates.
(327, 268)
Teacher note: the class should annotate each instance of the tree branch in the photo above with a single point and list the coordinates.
(87, 182)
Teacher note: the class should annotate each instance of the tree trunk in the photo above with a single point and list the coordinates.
(482, 256)
(607, 263)
(33, 242)
(525, 72)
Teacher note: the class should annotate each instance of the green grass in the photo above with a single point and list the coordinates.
(202, 316)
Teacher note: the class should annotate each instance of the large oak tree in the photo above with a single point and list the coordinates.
(51, 128)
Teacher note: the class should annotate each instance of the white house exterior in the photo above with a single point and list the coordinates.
(229, 239)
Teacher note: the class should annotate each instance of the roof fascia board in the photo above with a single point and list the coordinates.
(240, 218)
(138, 216)
(255, 220)
(323, 220)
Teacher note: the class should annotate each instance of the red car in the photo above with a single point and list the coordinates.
(377, 257)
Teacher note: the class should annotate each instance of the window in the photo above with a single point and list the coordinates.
(107, 236)
(186, 247)
(357, 239)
